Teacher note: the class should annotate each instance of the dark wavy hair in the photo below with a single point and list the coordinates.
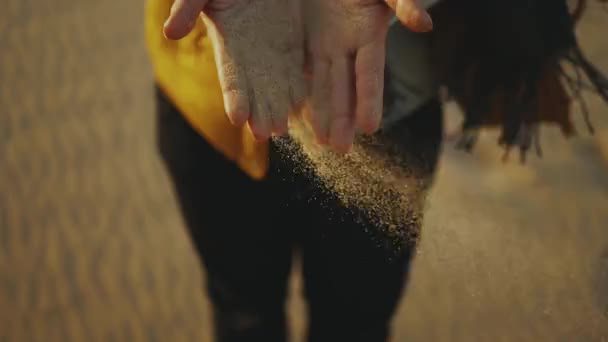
(505, 63)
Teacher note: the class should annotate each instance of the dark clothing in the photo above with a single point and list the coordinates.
(246, 231)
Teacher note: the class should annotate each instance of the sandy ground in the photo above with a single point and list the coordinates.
(92, 247)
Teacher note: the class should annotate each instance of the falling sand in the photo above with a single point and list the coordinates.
(373, 178)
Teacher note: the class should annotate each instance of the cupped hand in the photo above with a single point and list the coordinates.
(346, 57)
(259, 54)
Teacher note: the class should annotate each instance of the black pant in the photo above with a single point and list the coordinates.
(245, 232)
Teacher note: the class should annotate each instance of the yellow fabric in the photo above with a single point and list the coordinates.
(186, 71)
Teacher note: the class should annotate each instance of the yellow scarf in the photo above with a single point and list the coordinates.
(186, 72)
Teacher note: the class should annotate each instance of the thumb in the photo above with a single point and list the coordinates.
(411, 14)
(183, 15)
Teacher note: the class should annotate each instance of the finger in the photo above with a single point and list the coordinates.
(411, 14)
(369, 73)
(233, 82)
(182, 18)
(297, 89)
(321, 89)
(278, 100)
(297, 94)
(342, 128)
(278, 118)
(270, 99)
(297, 80)
(298, 67)
(260, 123)
(236, 104)
(307, 67)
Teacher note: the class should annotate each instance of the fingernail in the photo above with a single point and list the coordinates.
(342, 148)
(427, 22)
(321, 139)
(168, 31)
(164, 30)
(238, 118)
(261, 137)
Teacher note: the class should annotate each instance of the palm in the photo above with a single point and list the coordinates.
(259, 57)
(346, 42)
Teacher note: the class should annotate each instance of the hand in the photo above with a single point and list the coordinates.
(259, 55)
(346, 42)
